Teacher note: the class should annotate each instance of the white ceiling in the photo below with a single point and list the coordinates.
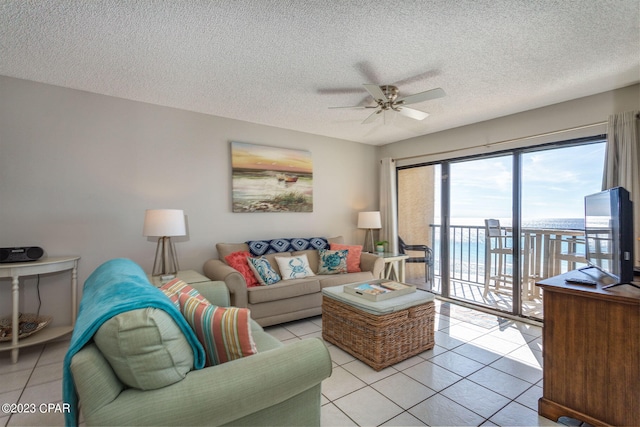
(284, 62)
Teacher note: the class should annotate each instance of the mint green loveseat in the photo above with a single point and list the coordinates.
(280, 385)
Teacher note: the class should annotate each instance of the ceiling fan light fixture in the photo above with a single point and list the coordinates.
(386, 98)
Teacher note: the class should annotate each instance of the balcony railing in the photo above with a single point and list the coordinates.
(544, 253)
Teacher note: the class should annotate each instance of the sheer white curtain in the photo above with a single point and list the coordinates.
(389, 204)
(622, 163)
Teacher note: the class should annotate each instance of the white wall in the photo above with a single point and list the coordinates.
(472, 139)
(78, 170)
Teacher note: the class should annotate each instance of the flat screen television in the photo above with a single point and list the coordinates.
(609, 234)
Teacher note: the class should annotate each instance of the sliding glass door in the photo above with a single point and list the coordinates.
(480, 227)
(419, 223)
(554, 183)
(498, 224)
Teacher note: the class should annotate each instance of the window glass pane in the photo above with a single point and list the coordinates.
(554, 183)
(480, 268)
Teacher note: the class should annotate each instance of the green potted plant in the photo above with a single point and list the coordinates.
(380, 245)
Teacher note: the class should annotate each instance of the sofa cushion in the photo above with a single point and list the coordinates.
(263, 271)
(145, 348)
(353, 257)
(294, 267)
(224, 332)
(263, 247)
(332, 262)
(284, 289)
(272, 260)
(263, 340)
(238, 260)
(312, 257)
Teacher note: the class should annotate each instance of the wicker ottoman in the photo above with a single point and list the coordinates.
(378, 333)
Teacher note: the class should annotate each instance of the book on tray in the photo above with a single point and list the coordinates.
(378, 290)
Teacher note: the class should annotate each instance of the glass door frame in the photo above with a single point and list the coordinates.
(516, 302)
(445, 190)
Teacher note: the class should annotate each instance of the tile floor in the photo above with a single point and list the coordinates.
(483, 371)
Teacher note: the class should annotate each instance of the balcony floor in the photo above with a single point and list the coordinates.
(472, 293)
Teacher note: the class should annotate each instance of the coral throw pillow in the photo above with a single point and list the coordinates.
(224, 332)
(175, 287)
(238, 260)
(353, 257)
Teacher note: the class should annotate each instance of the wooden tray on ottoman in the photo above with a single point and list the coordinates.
(378, 340)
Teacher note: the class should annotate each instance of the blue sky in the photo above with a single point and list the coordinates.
(554, 184)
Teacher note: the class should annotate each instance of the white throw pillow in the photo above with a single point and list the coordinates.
(294, 267)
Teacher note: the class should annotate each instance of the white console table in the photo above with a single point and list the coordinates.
(45, 265)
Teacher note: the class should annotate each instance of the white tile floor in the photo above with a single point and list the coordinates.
(483, 371)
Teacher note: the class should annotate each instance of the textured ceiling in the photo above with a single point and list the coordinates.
(284, 62)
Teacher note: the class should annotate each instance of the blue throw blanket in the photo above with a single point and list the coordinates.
(117, 286)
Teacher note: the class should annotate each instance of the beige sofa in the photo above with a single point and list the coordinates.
(286, 300)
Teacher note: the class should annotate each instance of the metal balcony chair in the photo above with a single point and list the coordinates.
(427, 259)
(498, 245)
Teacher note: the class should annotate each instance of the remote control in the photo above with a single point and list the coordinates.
(579, 281)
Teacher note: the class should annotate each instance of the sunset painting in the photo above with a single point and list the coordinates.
(271, 179)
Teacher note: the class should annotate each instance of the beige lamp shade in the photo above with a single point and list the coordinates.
(164, 222)
(369, 220)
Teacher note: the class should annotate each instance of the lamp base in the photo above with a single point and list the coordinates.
(166, 261)
(368, 241)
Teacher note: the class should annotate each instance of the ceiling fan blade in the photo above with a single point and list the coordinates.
(372, 117)
(357, 107)
(412, 113)
(366, 69)
(421, 96)
(421, 76)
(339, 90)
(375, 91)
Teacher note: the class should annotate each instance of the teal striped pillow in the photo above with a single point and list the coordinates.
(224, 332)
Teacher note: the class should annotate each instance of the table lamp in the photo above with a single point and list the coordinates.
(164, 223)
(369, 220)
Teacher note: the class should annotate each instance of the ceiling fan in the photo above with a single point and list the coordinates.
(386, 97)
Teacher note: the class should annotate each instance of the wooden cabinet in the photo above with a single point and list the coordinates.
(591, 351)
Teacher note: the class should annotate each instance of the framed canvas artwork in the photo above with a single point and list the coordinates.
(271, 179)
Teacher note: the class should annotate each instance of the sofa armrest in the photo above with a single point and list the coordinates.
(223, 393)
(215, 292)
(217, 270)
(373, 263)
(94, 379)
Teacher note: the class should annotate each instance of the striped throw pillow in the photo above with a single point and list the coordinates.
(175, 287)
(224, 332)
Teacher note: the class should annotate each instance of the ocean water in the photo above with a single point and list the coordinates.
(467, 247)
(545, 223)
(555, 223)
